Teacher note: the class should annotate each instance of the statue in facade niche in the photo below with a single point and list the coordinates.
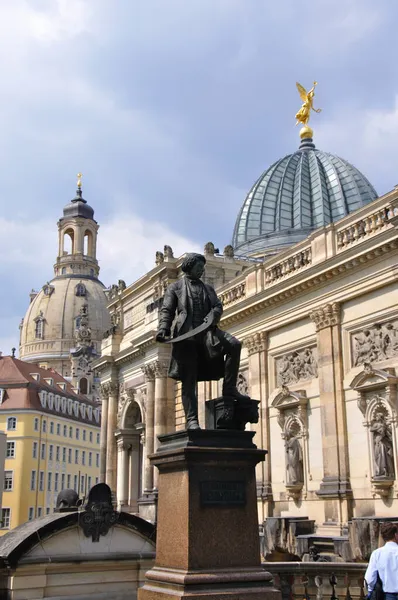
(201, 351)
(383, 447)
(294, 460)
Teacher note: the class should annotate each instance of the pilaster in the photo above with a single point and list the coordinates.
(104, 426)
(160, 420)
(257, 345)
(111, 452)
(335, 487)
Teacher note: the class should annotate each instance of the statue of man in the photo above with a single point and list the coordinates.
(294, 460)
(207, 355)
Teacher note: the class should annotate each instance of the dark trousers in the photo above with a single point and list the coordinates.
(232, 349)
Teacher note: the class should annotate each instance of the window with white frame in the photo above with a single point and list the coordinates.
(44, 426)
(97, 460)
(63, 481)
(31, 513)
(43, 452)
(70, 432)
(96, 480)
(51, 426)
(36, 424)
(10, 450)
(65, 430)
(58, 429)
(91, 436)
(83, 457)
(6, 518)
(39, 511)
(11, 423)
(75, 483)
(47, 510)
(90, 459)
(50, 452)
(89, 484)
(98, 438)
(77, 433)
(56, 482)
(68, 477)
(41, 481)
(49, 481)
(84, 435)
(39, 329)
(8, 481)
(82, 484)
(76, 457)
(63, 454)
(34, 450)
(33, 481)
(69, 455)
(57, 453)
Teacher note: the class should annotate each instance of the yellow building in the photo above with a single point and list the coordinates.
(53, 440)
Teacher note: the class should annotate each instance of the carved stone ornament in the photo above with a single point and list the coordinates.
(242, 384)
(99, 516)
(209, 249)
(159, 258)
(291, 407)
(256, 342)
(110, 388)
(168, 252)
(149, 371)
(375, 343)
(161, 368)
(296, 366)
(229, 251)
(326, 316)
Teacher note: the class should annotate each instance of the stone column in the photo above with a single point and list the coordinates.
(335, 486)
(111, 466)
(160, 422)
(149, 371)
(105, 388)
(134, 471)
(258, 384)
(122, 472)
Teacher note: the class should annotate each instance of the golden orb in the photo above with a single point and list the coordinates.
(306, 132)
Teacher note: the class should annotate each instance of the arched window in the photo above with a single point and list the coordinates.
(80, 289)
(69, 241)
(88, 243)
(39, 327)
(83, 385)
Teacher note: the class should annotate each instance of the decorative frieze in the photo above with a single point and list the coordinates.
(375, 343)
(326, 316)
(256, 342)
(299, 365)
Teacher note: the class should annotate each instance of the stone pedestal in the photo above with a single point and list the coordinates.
(207, 533)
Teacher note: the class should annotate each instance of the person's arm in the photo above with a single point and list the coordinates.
(167, 313)
(216, 304)
(371, 573)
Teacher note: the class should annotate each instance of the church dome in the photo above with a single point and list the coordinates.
(78, 207)
(48, 330)
(296, 195)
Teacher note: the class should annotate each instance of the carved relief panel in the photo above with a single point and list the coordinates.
(300, 365)
(375, 343)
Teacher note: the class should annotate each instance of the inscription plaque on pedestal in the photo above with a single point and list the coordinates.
(222, 493)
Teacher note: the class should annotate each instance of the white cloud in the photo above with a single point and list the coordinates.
(368, 138)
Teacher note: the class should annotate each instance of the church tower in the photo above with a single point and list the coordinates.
(66, 319)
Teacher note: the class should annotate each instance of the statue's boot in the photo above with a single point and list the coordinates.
(233, 392)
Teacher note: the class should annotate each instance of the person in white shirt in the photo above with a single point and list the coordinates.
(384, 562)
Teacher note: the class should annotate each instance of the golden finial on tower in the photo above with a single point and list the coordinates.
(303, 115)
(79, 180)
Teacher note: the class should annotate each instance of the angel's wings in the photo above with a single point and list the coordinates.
(302, 91)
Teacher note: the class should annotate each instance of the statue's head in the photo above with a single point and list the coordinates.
(194, 265)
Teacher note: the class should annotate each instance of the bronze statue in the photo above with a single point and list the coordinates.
(201, 351)
(303, 115)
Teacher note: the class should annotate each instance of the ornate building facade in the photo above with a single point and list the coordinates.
(65, 321)
(313, 296)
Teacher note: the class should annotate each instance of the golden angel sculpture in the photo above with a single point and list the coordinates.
(303, 115)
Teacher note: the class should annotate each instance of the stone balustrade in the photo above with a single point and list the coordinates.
(288, 266)
(318, 580)
(234, 294)
(364, 227)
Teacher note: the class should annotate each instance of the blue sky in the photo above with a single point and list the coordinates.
(171, 109)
